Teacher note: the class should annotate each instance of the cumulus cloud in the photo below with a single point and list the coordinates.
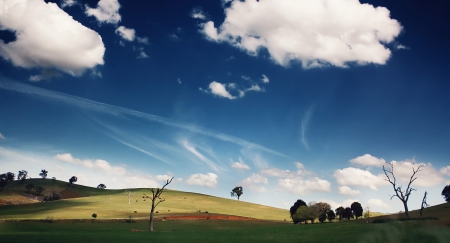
(223, 90)
(98, 164)
(253, 183)
(265, 79)
(2, 137)
(208, 180)
(315, 33)
(345, 190)
(301, 186)
(126, 33)
(379, 203)
(49, 38)
(428, 176)
(219, 89)
(445, 170)
(368, 160)
(107, 11)
(240, 166)
(197, 13)
(143, 40)
(68, 3)
(356, 177)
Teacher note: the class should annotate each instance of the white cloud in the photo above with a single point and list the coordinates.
(209, 180)
(126, 33)
(142, 54)
(315, 33)
(275, 172)
(345, 190)
(98, 164)
(107, 11)
(2, 137)
(240, 166)
(36, 78)
(143, 40)
(301, 186)
(428, 176)
(68, 3)
(179, 80)
(199, 155)
(163, 177)
(356, 177)
(265, 79)
(379, 203)
(443, 170)
(49, 38)
(219, 89)
(305, 125)
(368, 160)
(197, 13)
(252, 183)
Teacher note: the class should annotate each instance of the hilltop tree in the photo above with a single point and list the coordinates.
(331, 215)
(72, 180)
(357, 209)
(22, 175)
(3, 183)
(340, 212)
(237, 192)
(10, 176)
(156, 199)
(446, 193)
(43, 174)
(294, 208)
(347, 213)
(101, 186)
(402, 195)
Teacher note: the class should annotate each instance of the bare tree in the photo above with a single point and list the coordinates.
(129, 195)
(424, 203)
(156, 199)
(403, 195)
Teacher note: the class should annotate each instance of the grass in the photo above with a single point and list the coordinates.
(222, 231)
(109, 204)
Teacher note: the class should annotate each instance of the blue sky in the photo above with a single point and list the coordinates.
(289, 99)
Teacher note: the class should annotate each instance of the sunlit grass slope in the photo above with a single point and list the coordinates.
(114, 204)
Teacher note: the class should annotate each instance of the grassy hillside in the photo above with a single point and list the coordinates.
(81, 202)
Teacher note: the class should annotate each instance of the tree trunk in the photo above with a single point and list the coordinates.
(406, 208)
(150, 227)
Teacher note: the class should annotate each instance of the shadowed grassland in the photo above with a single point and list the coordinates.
(221, 231)
(114, 204)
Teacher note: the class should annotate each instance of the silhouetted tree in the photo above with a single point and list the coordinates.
(156, 199)
(72, 180)
(323, 217)
(22, 175)
(294, 208)
(446, 193)
(424, 203)
(237, 192)
(347, 213)
(340, 212)
(357, 209)
(29, 186)
(402, 195)
(3, 183)
(10, 176)
(101, 186)
(318, 208)
(331, 215)
(43, 174)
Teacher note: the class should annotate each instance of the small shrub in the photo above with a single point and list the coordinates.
(157, 212)
(49, 219)
(94, 215)
(39, 189)
(206, 211)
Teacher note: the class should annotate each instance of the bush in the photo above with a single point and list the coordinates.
(94, 215)
(39, 189)
(51, 197)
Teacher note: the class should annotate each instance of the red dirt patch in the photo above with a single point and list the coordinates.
(67, 193)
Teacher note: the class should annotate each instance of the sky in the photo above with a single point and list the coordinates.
(290, 99)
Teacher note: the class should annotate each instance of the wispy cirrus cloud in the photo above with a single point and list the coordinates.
(97, 107)
(2, 137)
(305, 125)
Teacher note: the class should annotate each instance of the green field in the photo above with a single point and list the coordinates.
(69, 220)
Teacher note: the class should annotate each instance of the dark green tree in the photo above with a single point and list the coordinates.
(72, 180)
(357, 209)
(101, 186)
(347, 213)
(237, 192)
(331, 215)
(43, 174)
(29, 186)
(294, 208)
(303, 214)
(446, 193)
(340, 212)
(3, 183)
(22, 175)
(10, 176)
(323, 217)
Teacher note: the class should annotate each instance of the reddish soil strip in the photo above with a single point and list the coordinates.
(206, 216)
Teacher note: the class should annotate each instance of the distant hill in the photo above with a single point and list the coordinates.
(80, 202)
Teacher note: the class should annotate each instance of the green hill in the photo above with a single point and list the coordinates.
(80, 202)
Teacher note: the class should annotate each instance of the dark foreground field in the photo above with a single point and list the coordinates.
(221, 231)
